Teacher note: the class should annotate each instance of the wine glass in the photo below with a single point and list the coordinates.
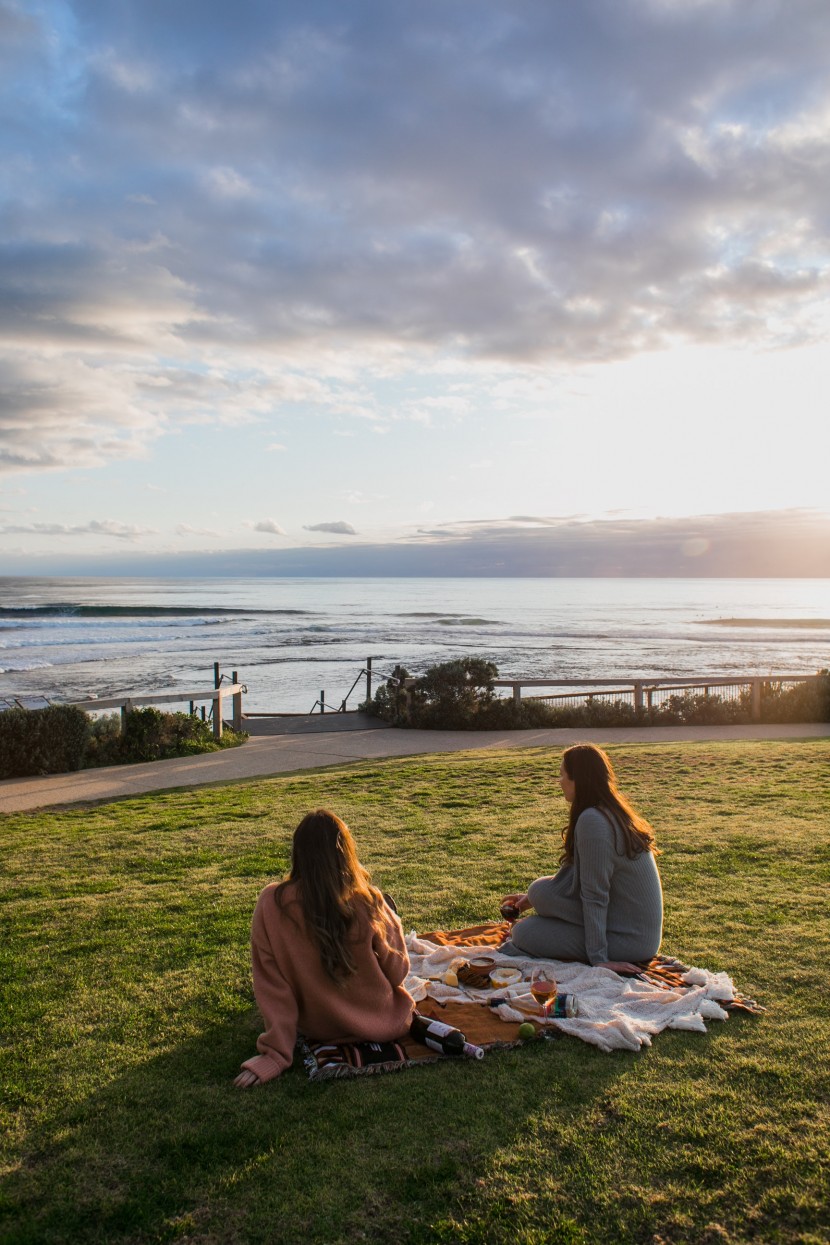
(543, 987)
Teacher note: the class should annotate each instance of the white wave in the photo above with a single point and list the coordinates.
(21, 668)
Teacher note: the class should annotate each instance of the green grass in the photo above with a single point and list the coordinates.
(127, 1009)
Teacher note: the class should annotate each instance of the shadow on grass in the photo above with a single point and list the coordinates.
(170, 1150)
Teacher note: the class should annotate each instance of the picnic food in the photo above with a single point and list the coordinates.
(476, 973)
(505, 976)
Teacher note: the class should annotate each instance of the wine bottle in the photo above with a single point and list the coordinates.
(443, 1038)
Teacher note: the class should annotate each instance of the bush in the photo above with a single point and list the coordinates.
(390, 701)
(150, 735)
(62, 738)
(797, 702)
(42, 741)
(454, 695)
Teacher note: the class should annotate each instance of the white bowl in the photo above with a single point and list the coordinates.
(503, 976)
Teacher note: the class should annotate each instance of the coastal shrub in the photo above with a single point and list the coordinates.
(150, 735)
(63, 738)
(42, 741)
(593, 713)
(390, 701)
(454, 695)
(102, 745)
(797, 702)
(698, 709)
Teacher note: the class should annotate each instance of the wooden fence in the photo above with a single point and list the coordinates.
(643, 691)
(216, 695)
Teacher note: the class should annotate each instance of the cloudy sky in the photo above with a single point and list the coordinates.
(370, 280)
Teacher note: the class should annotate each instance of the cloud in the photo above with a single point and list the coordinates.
(339, 528)
(270, 526)
(96, 527)
(765, 544)
(276, 445)
(187, 529)
(203, 203)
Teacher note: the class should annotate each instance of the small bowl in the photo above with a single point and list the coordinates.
(503, 976)
(482, 962)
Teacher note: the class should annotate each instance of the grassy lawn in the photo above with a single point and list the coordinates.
(127, 1009)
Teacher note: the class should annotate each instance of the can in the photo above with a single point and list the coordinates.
(564, 1008)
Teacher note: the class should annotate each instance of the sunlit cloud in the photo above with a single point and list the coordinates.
(338, 528)
(96, 527)
(227, 204)
(187, 529)
(269, 526)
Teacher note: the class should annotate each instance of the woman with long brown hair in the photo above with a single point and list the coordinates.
(328, 953)
(605, 905)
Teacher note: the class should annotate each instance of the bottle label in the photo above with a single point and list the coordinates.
(438, 1029)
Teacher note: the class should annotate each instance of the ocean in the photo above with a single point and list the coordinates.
(290, 639)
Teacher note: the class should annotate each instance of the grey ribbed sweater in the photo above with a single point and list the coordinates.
(603, 906)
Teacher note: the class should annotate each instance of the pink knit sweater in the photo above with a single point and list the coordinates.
(295, 994)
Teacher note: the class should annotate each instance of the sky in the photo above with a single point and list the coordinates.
(368, 286)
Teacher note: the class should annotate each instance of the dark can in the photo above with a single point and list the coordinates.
(510, 912)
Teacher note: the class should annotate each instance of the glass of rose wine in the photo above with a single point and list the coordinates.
(543, 987)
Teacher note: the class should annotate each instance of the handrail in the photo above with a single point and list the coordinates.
(656, 680)
(159, 698)
(214, 694)
(367, 673)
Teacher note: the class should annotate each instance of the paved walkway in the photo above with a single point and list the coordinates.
(286, 753)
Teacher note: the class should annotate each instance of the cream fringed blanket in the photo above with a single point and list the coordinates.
(614, 1012)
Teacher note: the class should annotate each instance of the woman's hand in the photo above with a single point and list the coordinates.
(519, 901)
(246, 1079)
(621, 966)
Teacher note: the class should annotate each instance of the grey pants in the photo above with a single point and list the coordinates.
(557, 932)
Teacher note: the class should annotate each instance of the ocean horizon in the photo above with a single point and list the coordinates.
(290, 638)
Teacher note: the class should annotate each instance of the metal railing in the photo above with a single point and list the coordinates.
(324, 707)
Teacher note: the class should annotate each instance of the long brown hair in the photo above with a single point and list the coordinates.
(595, 783)
(331, 885)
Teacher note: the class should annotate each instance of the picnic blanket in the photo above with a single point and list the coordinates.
(614, 1012)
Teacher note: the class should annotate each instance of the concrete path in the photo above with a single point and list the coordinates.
(287, 753)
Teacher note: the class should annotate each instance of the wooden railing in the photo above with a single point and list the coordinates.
(642, 691)
(216, 695)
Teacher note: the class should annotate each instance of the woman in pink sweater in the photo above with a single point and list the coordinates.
(329, 958)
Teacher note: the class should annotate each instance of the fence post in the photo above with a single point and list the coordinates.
(368, 678)
(125, 708)
(217, 715)
(236, 701)
(756, 700)
(638, 697)
(322, 701)
(517, 693)
(217, 681)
